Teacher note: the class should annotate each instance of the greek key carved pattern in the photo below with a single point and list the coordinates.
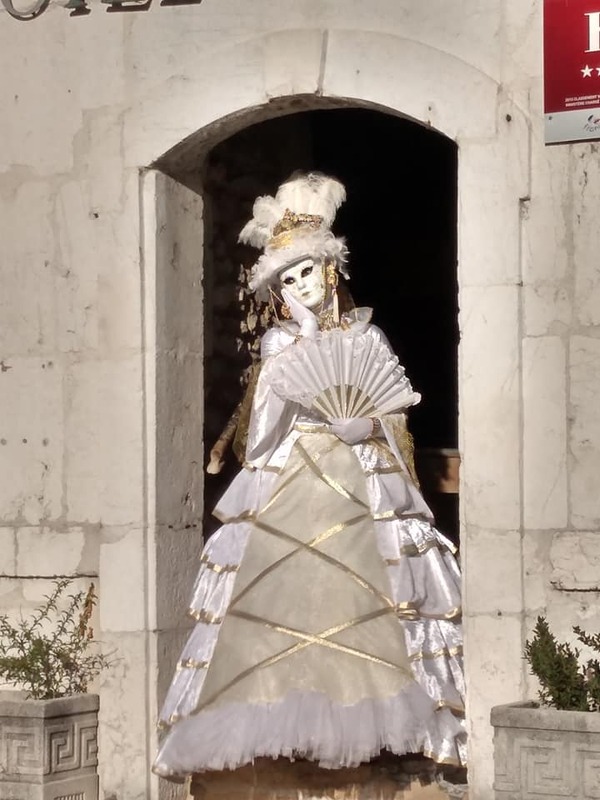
(89, 745)
(536, 764)
(61, 745)
(20, 749)
(71, 744)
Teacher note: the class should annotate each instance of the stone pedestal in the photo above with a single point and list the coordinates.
(545, 754)
(385, 778)
(48, 748)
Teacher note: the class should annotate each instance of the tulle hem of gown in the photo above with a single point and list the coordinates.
(309, 725)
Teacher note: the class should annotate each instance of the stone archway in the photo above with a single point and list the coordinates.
(400, 225)
(305, 70)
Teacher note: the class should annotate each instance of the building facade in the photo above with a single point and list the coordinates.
(111, 256)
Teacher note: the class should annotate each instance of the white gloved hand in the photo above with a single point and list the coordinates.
(352, 431)
(309, 325)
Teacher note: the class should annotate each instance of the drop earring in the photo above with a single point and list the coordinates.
(285, 310)
(332, 280)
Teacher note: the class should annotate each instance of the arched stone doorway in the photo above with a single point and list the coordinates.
(400, 221)
(492, 172)
(400, 225)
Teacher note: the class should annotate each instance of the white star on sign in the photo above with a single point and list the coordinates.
(598, 70)
(586, 71)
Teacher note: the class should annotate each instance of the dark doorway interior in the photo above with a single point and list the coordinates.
(400, 222)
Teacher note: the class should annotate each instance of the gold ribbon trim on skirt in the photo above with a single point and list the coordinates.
(311, 598)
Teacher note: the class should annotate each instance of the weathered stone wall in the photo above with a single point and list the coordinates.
(102, 404)
(561, 380)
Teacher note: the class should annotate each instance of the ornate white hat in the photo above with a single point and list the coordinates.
(293, 225)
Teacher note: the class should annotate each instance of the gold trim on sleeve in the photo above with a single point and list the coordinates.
(383, 471)
(218, 568)
(444, 652)
(452, 614)
(394, 514)
(246, 516)
(191, 663)
(202, 615)
(455, 709)
(406, 610)
(412, 550)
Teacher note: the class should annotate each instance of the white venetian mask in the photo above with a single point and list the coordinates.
(305, 281)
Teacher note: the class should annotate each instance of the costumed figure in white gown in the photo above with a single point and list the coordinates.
(327, 605)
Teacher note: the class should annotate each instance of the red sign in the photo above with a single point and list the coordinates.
(572, 70)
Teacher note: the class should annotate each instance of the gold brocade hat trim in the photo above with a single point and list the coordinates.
(291, 220)
(285, 239)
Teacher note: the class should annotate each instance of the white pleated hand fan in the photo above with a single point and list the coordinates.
(342, 375)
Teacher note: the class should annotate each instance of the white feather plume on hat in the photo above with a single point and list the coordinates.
(312, 194)
(295, 224)
(266, 214)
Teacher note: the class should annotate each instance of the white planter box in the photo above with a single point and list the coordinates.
(545, 754)
(48, 748)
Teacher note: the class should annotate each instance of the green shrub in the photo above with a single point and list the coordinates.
(52, 654)
(566, 684)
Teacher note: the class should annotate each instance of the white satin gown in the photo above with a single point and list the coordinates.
(327, 607)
